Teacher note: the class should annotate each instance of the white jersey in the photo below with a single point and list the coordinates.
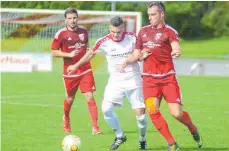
(116, 52)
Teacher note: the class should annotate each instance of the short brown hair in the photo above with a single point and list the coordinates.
(70, 11)
(116, 21)
(159, 4)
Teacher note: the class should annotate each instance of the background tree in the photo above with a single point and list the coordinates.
(192, 19)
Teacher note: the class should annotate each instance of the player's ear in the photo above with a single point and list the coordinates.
(162, 13)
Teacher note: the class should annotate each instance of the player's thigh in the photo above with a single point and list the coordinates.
(114, 95)
(175, 110)
(71, 85)
(171, 91)
(87, 83)
(135, 97)
(152, 98)
(152, 91)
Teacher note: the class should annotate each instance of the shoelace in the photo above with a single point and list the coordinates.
(118, 141)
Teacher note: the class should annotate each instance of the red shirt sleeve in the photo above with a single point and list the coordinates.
(173, 36)
(56, 44)
(139, 41)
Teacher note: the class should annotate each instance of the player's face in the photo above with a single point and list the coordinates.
(156, 16)
(71, 20)
(116, 32)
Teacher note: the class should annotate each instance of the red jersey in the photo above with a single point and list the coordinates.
(68, 41)
(159, 63)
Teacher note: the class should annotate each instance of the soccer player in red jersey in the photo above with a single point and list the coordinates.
(71, 43)
(161, 42)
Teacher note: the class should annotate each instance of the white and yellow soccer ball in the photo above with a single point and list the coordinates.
(71, 143)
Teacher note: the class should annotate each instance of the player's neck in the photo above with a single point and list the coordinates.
(72, 28)
(158, 26)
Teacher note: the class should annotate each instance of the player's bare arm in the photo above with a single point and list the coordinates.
(176, 49)
(144, 54)
(134, 57)
(59, 53)
(86, 58)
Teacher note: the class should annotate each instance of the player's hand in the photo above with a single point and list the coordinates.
(71, 69)
(145, 53)
(175, 54)
(73, 53)
(89, 49)
(123, 66)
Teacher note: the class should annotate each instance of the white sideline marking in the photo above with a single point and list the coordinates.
(31, 104)
(32, 95)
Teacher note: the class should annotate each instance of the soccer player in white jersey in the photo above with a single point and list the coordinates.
(117, 46)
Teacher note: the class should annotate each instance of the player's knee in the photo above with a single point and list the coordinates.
(142, 121)
(151, 105)
(177, 114)
(89, 96)
(140, 111)
(70, 99)
(107, 109)
(176, 110)
(141, 118)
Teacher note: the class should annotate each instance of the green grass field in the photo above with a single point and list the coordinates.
(31, 112)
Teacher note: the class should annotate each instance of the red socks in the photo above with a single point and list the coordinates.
(162, 126)
(92, 107)
(67, 108)
(186, 120)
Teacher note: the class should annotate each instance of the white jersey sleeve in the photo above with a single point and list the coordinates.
(99, 47)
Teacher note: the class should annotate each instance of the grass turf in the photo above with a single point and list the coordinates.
(31, 112)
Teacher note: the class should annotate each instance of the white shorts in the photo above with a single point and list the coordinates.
(116, 96)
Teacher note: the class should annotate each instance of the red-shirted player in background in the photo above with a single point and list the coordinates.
(71, 44)
(161, 42)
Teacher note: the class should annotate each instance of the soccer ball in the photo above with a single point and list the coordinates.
(71, 143)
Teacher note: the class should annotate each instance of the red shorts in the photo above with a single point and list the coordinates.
(85, 82)
(166, 87)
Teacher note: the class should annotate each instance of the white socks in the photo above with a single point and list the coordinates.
(142, 126)
(111, 118)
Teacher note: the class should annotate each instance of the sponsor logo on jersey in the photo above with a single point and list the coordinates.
(121, 54)
(113, 49)
(81, 36)
(77, 45)
(151, 44)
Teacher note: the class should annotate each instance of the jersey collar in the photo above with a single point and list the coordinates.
(123, 36)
